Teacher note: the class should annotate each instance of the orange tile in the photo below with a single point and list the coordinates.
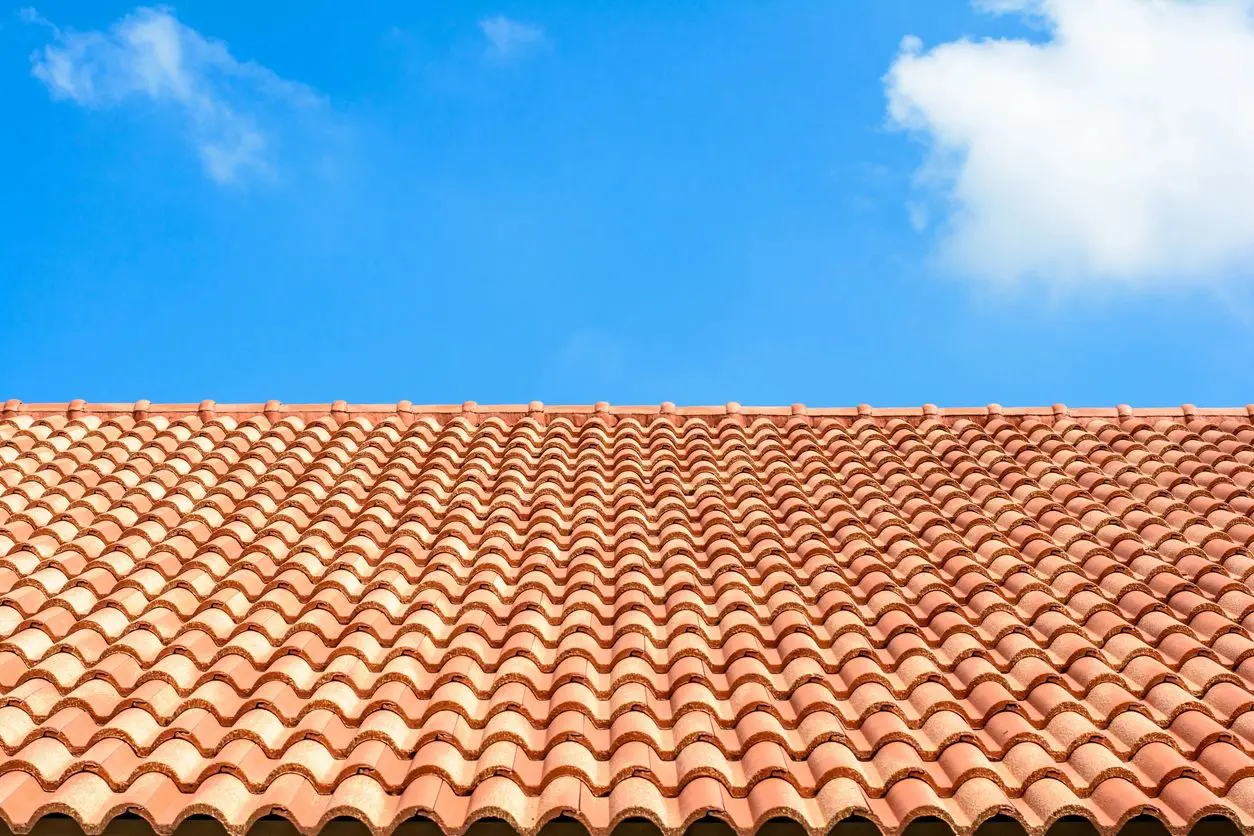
(526, 612)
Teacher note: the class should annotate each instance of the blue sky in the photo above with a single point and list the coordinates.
(640, 201)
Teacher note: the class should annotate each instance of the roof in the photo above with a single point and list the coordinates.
(608, 613)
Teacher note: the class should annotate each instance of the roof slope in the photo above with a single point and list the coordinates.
(522, 612)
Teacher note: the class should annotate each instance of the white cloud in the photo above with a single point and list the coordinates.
(1120, 149)
(509, 38)
(224, 103)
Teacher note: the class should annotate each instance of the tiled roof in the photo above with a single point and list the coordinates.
(526, 612)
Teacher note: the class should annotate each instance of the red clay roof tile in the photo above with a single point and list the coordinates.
(609, 612)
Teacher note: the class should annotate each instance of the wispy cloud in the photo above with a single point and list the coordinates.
(227, 106)
(508, 38)
(1119, 149)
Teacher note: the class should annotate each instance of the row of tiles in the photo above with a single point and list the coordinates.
(767, 572)
(1225, 702)
(455, 554)
(443, 612)
(747, 482)
(717, 524)
(792, 623)
(377, 514)
(768, 479)
(306, 658)
(859, 577)
(684, 441)
(1186, 583)
(1005, 633)
(440, 470)
(1198, 676)
(120, 503)
(857, 565)
(115, 501)
(1125, 733)
(858, 582)
(400, 581)
(1179, 804)
(570, 435)
(886, 629)
(1218, 766)
(818, 532)
(828, 616)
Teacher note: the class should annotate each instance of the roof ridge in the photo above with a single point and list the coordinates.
(276, 409)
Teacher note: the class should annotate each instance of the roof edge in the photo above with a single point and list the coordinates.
(274, 409)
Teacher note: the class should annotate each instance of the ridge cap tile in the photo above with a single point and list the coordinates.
(82, 408)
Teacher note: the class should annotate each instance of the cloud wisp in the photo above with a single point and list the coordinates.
(228, 108)
(509, 39)
(1118, 150)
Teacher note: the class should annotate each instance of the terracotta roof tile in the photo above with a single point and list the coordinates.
(529, 611)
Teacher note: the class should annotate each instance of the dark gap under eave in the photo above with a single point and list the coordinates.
(134, 825)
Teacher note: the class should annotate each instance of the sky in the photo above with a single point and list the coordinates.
(830, 202)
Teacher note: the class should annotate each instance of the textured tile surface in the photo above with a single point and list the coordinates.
(526, 612)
